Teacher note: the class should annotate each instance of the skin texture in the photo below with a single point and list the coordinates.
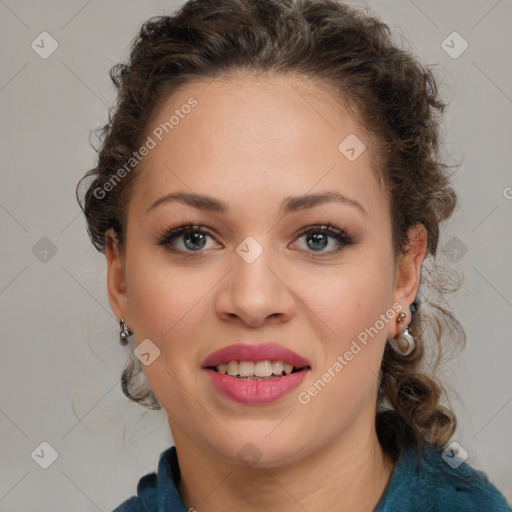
(252, 141)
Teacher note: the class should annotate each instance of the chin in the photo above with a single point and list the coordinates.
(260, 450)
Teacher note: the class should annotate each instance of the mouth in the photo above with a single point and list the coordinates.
(257, 370)
(255, 374)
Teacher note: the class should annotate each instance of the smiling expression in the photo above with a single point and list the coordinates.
(290, 243)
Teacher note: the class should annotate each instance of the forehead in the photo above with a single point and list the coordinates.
(243, 136)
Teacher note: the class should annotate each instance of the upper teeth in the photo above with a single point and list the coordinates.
(259, 369)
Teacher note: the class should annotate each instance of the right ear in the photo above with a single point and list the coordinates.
(116, 284)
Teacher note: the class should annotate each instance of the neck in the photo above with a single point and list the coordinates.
(349, 473)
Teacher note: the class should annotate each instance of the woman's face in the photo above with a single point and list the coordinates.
(259, 271)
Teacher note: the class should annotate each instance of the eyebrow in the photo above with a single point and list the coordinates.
(288, 205)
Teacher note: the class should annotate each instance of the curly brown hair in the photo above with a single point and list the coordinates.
(390, 93)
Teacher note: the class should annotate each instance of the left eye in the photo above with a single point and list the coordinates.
(318, 238)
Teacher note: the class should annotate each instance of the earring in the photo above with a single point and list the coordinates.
(404, 343)
(125, 332)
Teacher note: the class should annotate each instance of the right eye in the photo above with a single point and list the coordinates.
(192, 238)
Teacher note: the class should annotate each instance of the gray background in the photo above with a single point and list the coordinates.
(61, 361)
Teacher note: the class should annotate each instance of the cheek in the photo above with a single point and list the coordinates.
(350, 299)
(357, 310)
(164, 299)
(166, 307)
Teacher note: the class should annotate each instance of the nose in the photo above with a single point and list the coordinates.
(256, 292)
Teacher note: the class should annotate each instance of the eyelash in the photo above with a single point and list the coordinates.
(342, 237)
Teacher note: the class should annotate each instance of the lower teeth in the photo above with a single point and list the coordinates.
(256, 378)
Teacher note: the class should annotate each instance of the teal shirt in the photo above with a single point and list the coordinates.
(423, 483)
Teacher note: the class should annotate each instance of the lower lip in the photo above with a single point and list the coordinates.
(256, 391)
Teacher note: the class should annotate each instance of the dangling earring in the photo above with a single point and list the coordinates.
(404, 343)
(125, 332)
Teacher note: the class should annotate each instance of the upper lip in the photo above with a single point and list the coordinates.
(261, 352)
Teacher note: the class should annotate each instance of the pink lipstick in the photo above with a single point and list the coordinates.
(255, 374)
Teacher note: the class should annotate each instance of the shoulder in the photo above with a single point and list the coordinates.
(460, 485)
(431, 482)
(146, 496)
(132, 504)
(155, 490)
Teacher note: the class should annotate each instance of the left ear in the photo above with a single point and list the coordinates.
(408, 270)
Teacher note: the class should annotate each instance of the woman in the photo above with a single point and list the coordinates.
(267, 194)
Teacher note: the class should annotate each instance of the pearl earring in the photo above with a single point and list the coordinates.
(404, 343)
